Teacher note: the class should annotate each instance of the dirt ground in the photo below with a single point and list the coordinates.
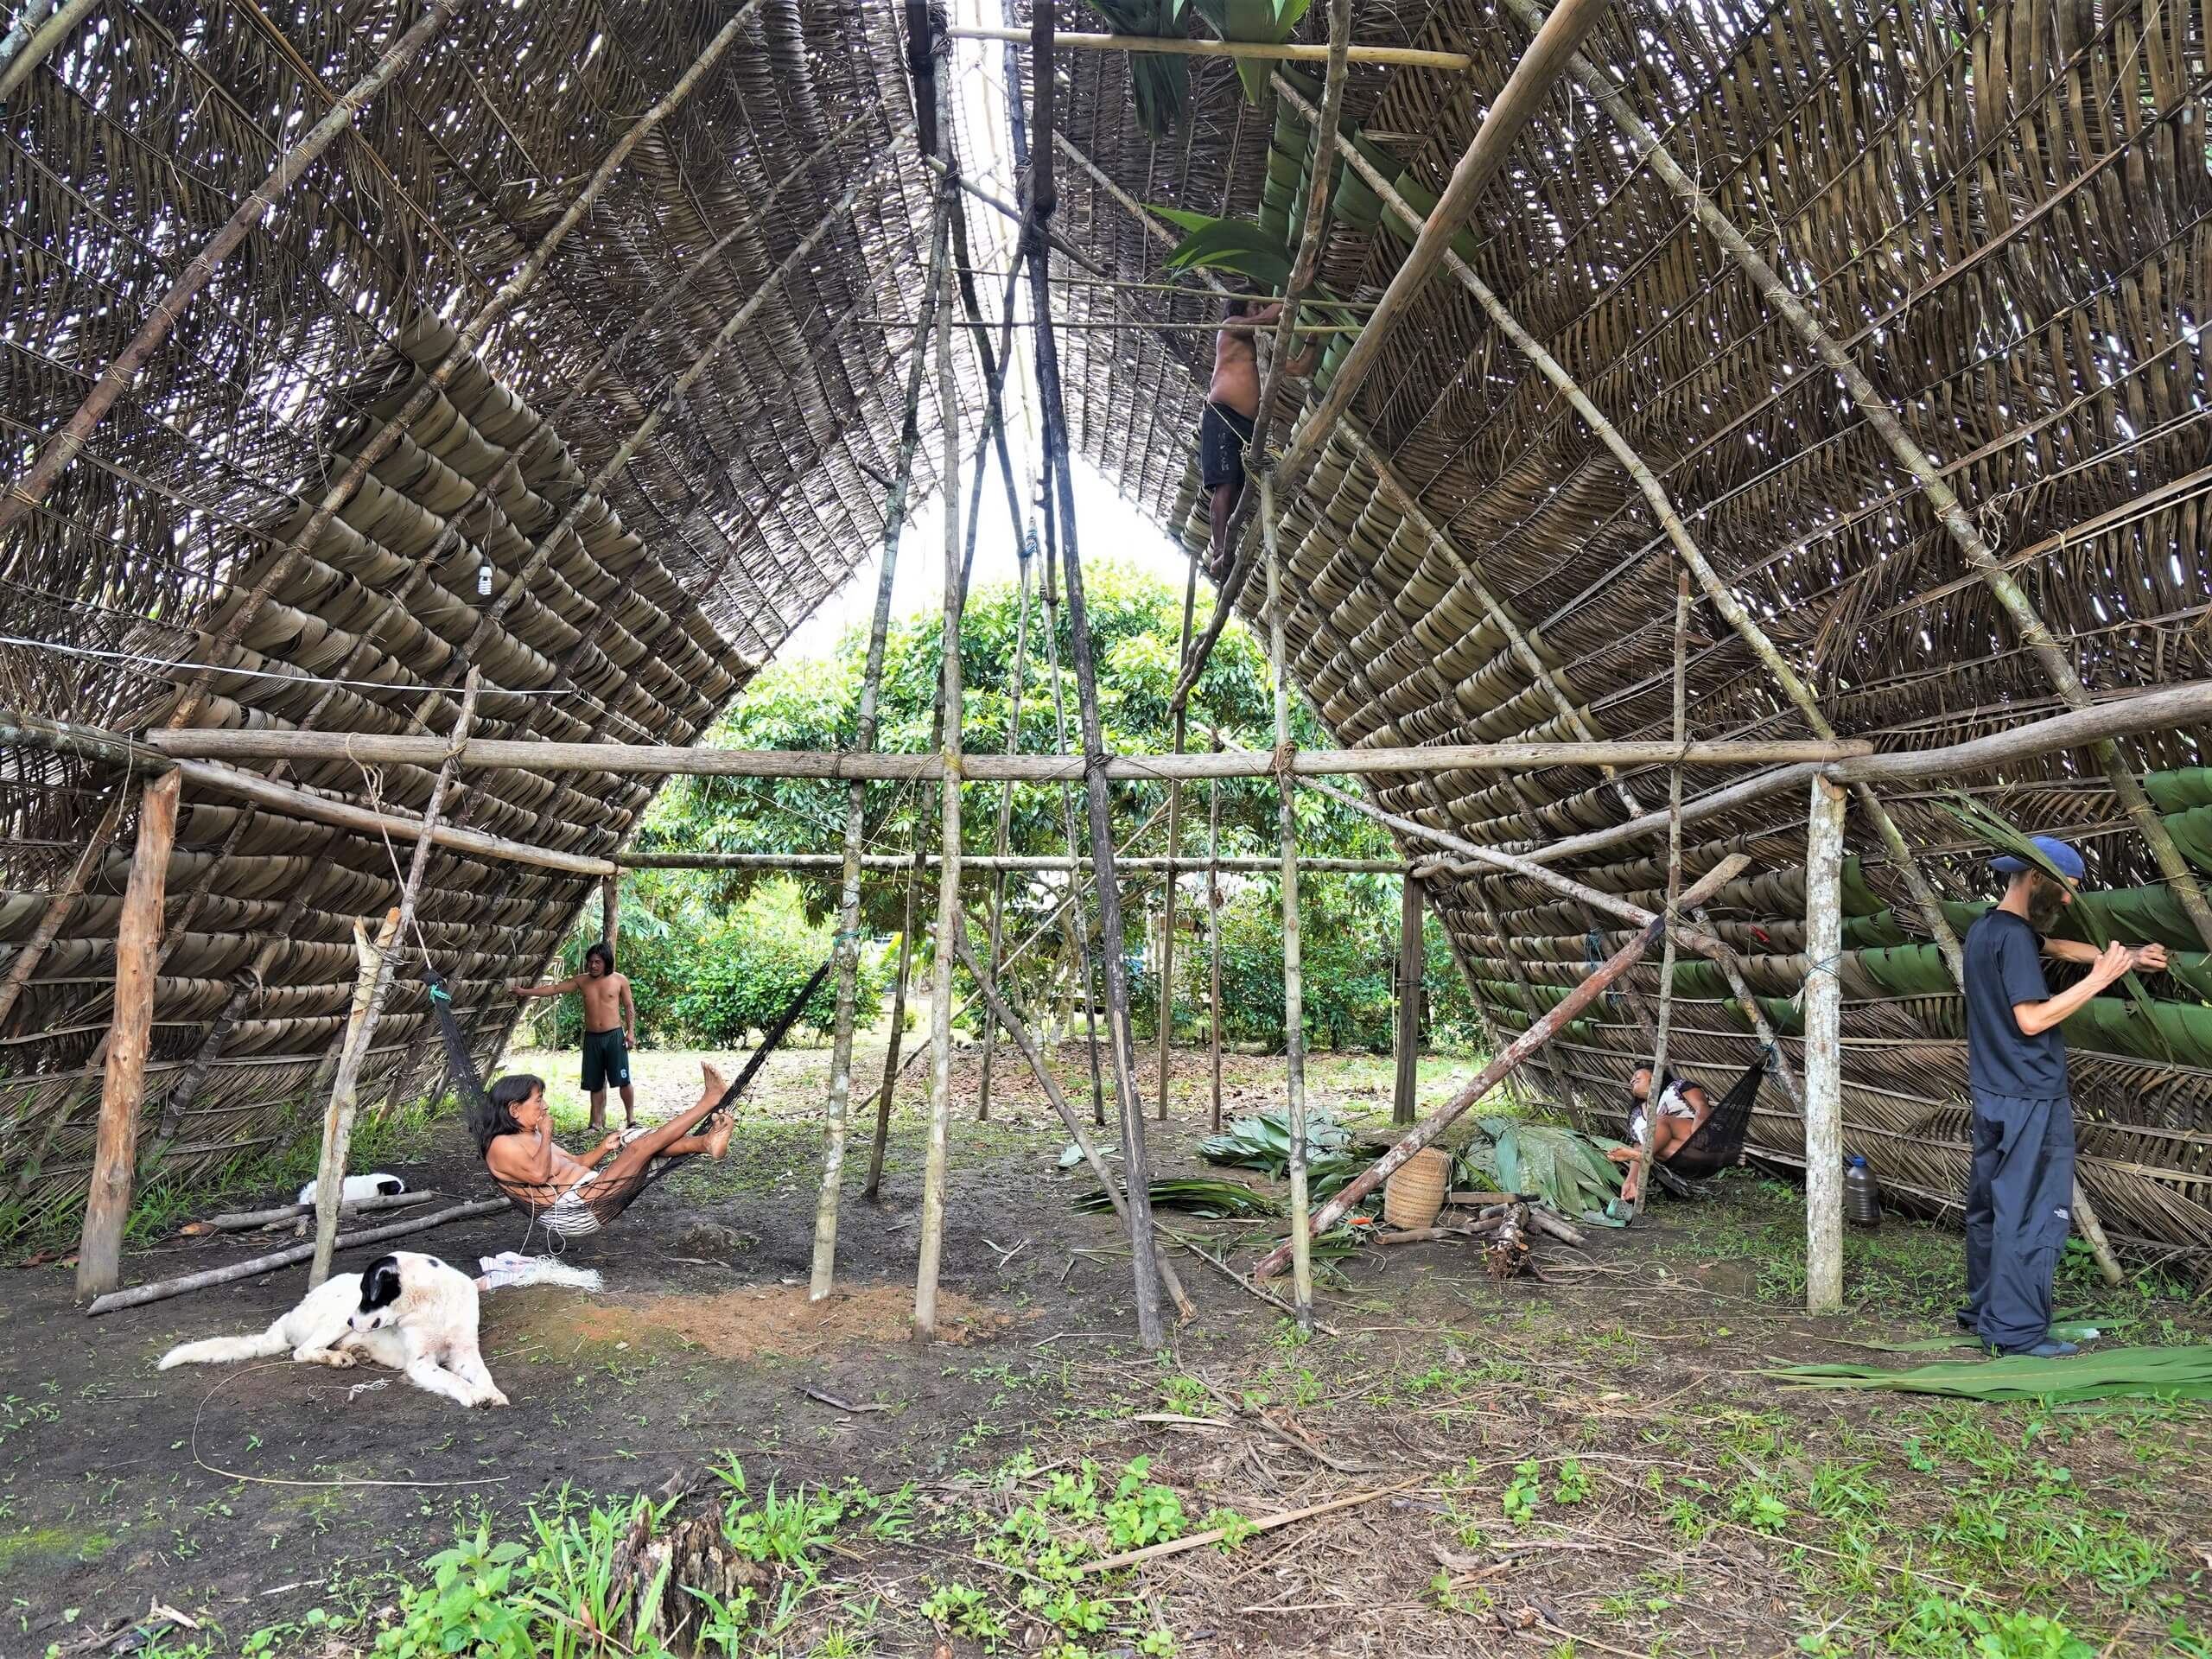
(1590, 1464)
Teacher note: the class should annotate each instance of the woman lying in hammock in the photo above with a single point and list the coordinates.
(1682, 1110)
(577, 1196)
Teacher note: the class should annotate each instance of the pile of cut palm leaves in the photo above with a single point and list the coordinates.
(1563, 1169)
(1264, 1143)
(1197, 1196)
(2112, 1374)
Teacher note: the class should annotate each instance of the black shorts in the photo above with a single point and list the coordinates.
(1223, 433)
(607, 1060)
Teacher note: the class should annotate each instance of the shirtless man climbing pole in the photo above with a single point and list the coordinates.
(1232, 406)
(610, 1030)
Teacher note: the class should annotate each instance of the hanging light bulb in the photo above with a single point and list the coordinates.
(484, 579)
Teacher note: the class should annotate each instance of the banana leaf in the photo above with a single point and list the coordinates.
(1160, 85)
(1563, 1169)
(2112, 1374)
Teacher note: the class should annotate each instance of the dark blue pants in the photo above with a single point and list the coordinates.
(2019, 1207)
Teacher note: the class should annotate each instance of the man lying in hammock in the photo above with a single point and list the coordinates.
(575, 1196)
(1683, 1108)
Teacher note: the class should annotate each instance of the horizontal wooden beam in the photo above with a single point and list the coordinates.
(29, 731)
(1404, 57)
(830, 863)
(306, 749)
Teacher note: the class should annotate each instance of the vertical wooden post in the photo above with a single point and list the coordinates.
(1213, 944)
(1174, 848)
(1824, 1051)
(1294, 980)
(823, 1275)
(949, 920)
(1145, 1267)
(610, 909)
(1640, 1187)
(338, 1113)
(1413, 961)
(122, 1086)
(1001, 837)
(891, 1068)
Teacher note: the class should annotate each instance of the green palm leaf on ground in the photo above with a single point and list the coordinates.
(2116, 1373)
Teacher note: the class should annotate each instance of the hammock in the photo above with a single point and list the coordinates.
(1719, 1143)
(590, 1206)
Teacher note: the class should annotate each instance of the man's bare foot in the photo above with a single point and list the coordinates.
(717, 1138)
(715, 1084)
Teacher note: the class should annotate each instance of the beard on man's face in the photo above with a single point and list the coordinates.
(2046, 903)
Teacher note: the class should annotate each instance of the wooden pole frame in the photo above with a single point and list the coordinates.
(1185, 46)
(1641, 1184)
(1412, 961)
(123, 1088)
(1002, 835)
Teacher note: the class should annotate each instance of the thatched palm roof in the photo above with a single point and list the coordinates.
(1998, 212)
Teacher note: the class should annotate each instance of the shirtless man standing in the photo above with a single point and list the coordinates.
(1232, 405)
(610, 1030)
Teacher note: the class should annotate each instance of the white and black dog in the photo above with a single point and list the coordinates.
(408, 1311)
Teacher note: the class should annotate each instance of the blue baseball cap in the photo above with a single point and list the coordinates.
(2063, 858)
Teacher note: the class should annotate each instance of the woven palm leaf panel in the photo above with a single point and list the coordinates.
(754, 500)
(2002, 212)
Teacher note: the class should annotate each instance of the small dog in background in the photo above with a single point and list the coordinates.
(356, 1187)
(408, 1311)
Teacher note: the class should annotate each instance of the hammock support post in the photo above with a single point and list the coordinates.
(1824, 853)
(338, 1115)
(1412, 959)
(122, 1085)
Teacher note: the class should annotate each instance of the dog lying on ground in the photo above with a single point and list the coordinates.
(407, 1311)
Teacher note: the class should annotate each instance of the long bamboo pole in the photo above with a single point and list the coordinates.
(1001, 833)
(1412, 960)
(40, 27)
(1184, 47)
(122, 1086)
(991, 863)
(1180, 719)
(245, 743)
(1151, 1330)
(1427, 1132)
(69, 439)
(1516, 104)
(1293, 972)
(1824, 851)
(2049, 652)
(950, 918)
(1213, 952)
(889, 1086)
(824, 1271)
(337, 1126)
(1023, 1040)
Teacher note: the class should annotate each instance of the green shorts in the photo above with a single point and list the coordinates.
(607, 1060)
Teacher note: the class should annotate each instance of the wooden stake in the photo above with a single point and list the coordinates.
(1413, 962)
(139, 1295)
(1150, 1329)
(889, 1086)
(1824, 851)
(1002, 834)
(1430, 1128)
(337, 1122)
(1027, 1044)
(824, 1273)
(950, 921)
(1293, 978)
(123, 1087)
(63, 446)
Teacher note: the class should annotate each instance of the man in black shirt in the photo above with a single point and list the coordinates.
(2020, 1196)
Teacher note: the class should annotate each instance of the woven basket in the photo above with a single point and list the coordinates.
(1411, 1197)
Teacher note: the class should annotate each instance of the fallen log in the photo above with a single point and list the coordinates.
(1431, 1129)
(239, 1221)
(162, 1289)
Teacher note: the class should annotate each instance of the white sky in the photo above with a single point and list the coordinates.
(1108, 527)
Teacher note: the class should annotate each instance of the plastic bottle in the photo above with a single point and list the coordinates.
(1862, 1194)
